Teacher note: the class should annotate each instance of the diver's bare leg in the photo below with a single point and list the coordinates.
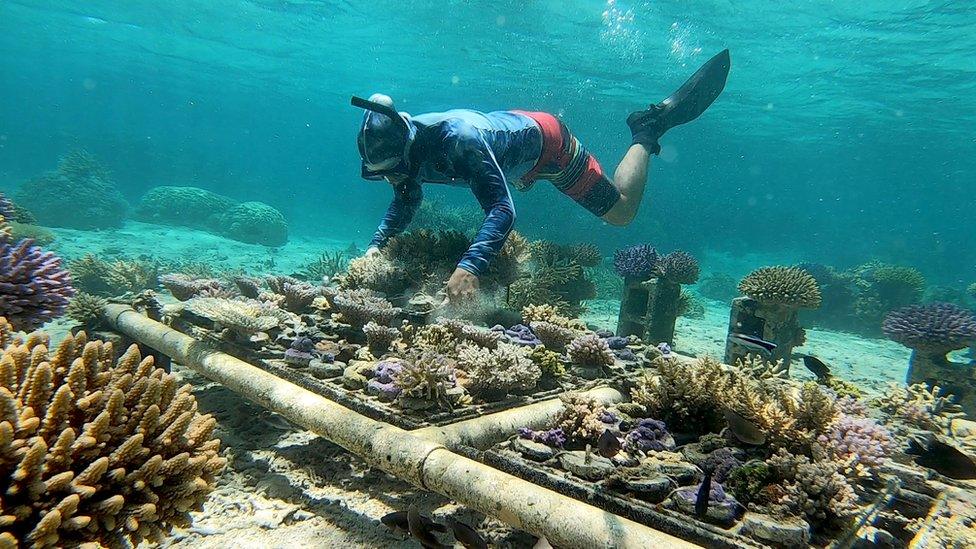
(630, 178)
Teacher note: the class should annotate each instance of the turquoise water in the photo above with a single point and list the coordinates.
(845, 132)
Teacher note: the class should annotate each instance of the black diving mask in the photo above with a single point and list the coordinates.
(384, 140)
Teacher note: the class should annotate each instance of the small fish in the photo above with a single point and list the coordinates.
(466, 536)
(753, 343)
(817, 366)
(944, 458)
(419, 527)
(701, 499)
(608, 445)
(397, 520)
(743, 429)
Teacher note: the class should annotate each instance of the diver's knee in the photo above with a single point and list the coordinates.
(620, 218)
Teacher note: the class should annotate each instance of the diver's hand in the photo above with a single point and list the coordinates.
(461, 286)
(372, 251)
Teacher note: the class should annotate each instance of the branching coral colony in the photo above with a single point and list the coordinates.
(797, 458)
(94, 449)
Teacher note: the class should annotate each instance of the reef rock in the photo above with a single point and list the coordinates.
(785, 532)
(184, 207)
(255, 223)
(78, 195)
(596, 468)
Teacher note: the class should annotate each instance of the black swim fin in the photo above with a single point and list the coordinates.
(683, 106)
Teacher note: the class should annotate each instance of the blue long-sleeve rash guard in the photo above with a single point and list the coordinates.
(468, 148)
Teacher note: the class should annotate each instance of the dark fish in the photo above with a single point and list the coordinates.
(743, 429)
(817, 366)
(608, 445)
(466, 535)
(701, 500)
(753, 343)
(397, 520)
(420, 528)
(944, 458)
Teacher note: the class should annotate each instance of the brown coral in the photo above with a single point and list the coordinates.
(590, 350)
(580, 418)
(691, 396)
(86, 309)
(94, 450)
(499, 371)
(553, 337)
(788, 286)
(357, 307)
(379, 339)
(244, 317)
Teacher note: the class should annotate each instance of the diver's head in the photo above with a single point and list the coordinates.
(384, 139)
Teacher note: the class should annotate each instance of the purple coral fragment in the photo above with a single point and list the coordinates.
(859, 437)
(33, 287)
(616, 342)
(553, 437)
(721, 462)
(635, 261)
(650, 435)
(520, 334)
(300, 352)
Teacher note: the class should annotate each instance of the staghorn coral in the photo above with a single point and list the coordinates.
(112, 279)
(243, 317)
(582, 418)
(636, 261)
(426, 375)
(552, 336)
(933, 327)
(691, 396)
(462, 330)
(548, 361)
(299, 296)
(679, 267)
(432, 337)
(249, 287)
(590, 350)
(79, 195)
(357, 307)
(919, 406)
(115, 455)
(86, 309)
(556, 277)
(815, 490)
(423, 255)
(376, 273)
(379, 338)
(34, 289)
(510, 263)
(787, 286)
(860, 440)
(894, 285)
(587, 255)
(499, 371)
(758, 368)
(326, 266)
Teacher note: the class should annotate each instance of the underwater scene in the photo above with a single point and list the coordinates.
(581, 273)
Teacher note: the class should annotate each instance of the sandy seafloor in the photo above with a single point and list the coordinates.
(285, 487)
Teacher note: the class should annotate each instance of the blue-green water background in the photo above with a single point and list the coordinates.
(846, 131)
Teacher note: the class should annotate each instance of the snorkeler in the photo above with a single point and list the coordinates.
(487, 151)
